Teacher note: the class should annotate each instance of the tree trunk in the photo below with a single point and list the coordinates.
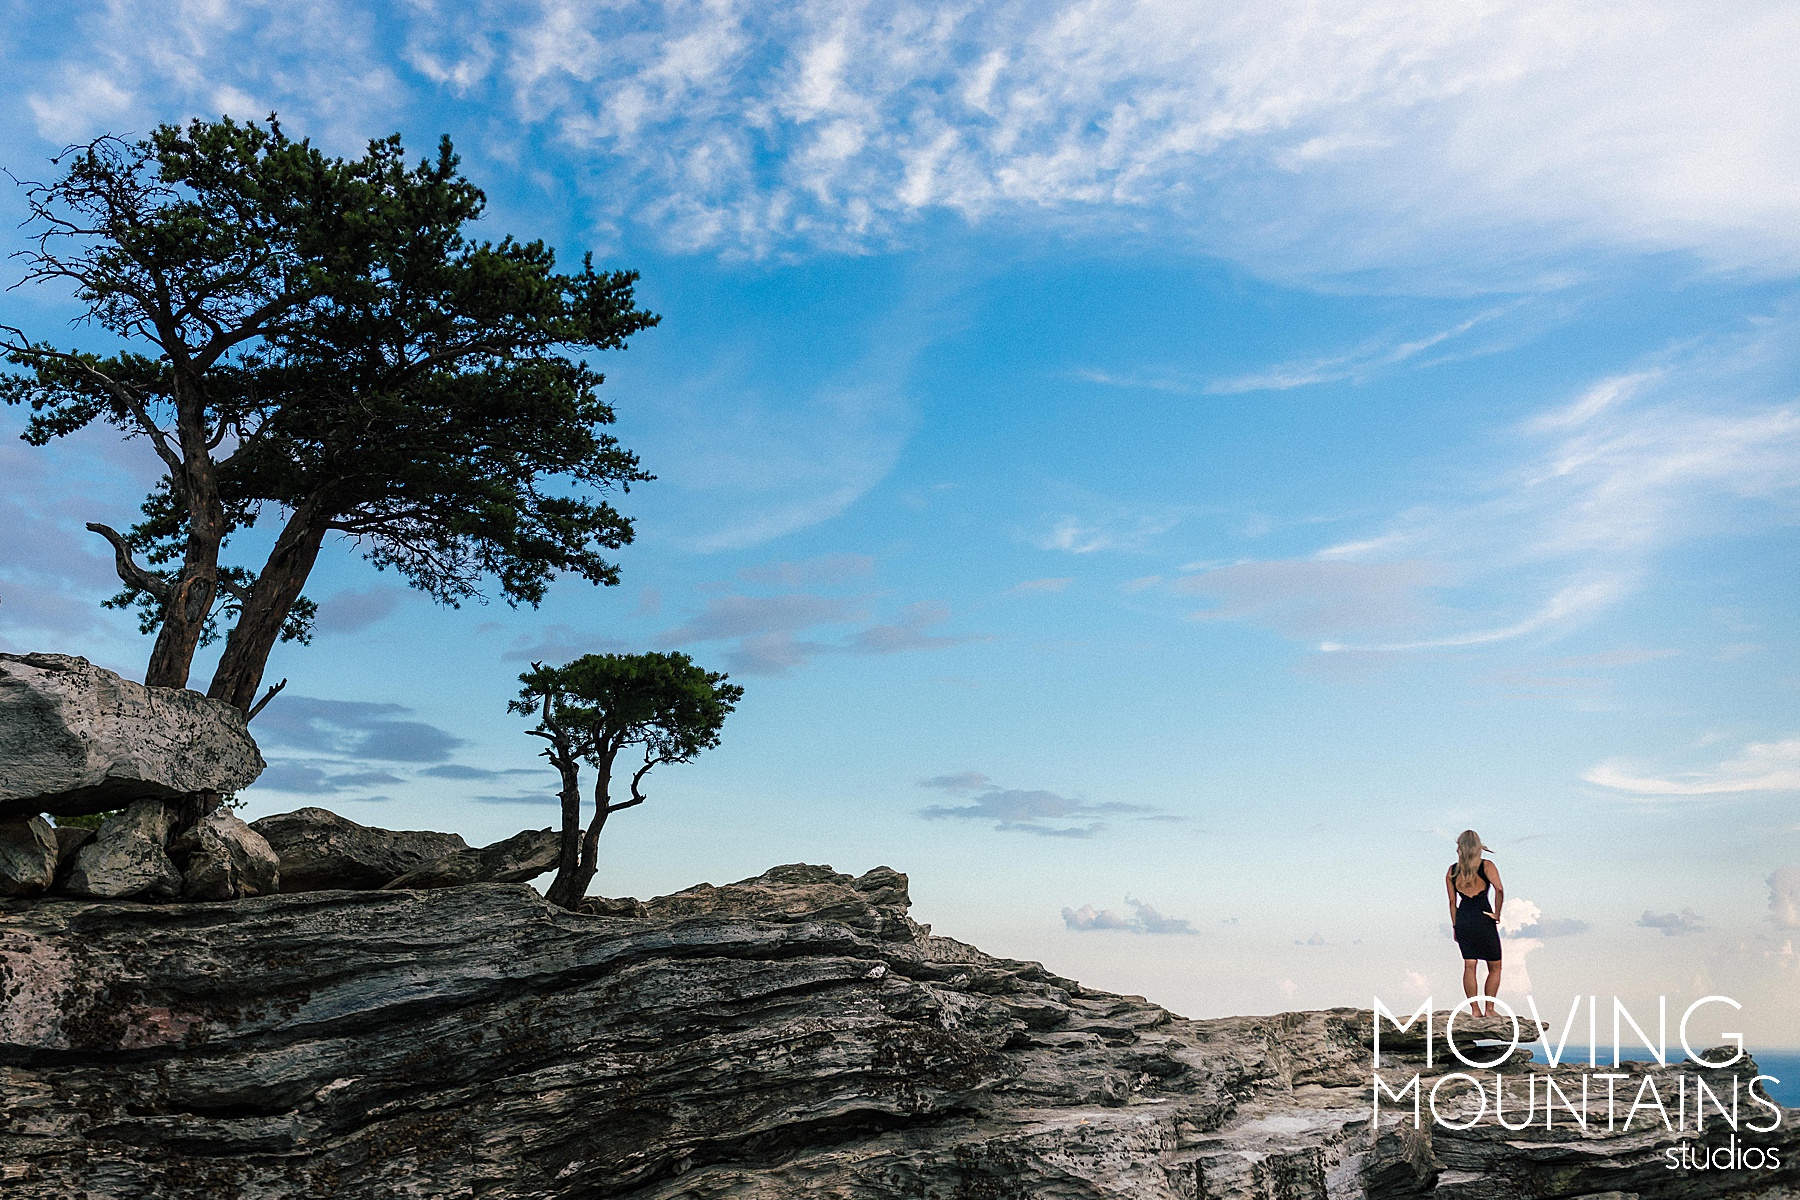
(571, 883)
(184, 619)
(271, 599)
(563, 889)
(190, 603)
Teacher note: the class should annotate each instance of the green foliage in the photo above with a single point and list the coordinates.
(85, 821)
(92, 820)
(319, 339)
(601, 703)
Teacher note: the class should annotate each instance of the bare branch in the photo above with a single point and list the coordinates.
(133, 575)
(263, 703)
(637, 777)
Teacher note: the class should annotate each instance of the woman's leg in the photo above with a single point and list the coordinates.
(1469, 985)
(1493, 983)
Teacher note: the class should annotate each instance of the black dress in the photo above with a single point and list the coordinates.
(1477, 933)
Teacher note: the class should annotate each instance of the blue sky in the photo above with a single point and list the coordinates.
(1159, 473)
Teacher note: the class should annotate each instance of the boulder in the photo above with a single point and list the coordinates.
(520, 857)
(319, 850)
(225, 860)
(128, 858)
(27, 857)
(874, 903)
(75, 738)
(69, 841)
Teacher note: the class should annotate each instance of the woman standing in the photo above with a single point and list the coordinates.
(1475, 923)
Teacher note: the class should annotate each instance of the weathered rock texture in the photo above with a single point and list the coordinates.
(128, 859)
(520, 857)
(27, 857)
(319, 849)
(225, 859)
(727, 1043)
(75, 738)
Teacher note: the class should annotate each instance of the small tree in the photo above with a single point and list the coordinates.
(318, 340)
(596, 708)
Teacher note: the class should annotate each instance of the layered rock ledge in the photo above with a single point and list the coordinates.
(795, 1035)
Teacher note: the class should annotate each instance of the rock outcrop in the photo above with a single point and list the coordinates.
(75, 738)
(523, 856)
(225, 859)
(320, 850)
(728, 1043)
(129, 858)
(27, 857)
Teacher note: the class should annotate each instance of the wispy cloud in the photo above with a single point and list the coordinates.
(767, 630)
(353, 729)
(301, 777)
(824, 570)
(1087, 535)
(1524, 131)
(1058, 584)
(559, 643)
(1761, 767)
(1696, 444)
(1018, 810)
(353, 612)
(1357, 364)
(1141, 919)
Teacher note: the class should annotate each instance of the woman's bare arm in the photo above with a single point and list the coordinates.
(1499, 889)
(1450, 887)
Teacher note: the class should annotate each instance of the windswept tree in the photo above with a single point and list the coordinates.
(317, 341)
(602, 706)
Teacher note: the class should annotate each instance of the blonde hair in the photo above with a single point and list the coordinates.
(1468, 857)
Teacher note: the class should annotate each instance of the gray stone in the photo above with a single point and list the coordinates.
(320, 850)
(27, 857)
(520, 857)
(725, 1045)
(225, 860)
(128, 858)
(69, 841)
(75, 738)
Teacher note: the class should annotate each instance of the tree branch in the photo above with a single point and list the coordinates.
(637, 797)
(133, 575)
(263, 703)
(159, 437)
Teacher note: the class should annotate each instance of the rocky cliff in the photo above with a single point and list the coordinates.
(794, 1035)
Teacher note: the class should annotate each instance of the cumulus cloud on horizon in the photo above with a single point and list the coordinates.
(1673, 924)
(1141, 919)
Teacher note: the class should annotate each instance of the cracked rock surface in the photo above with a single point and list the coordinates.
(794, 1035)
(76, 738)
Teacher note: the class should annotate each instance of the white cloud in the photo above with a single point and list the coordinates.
(1141, 919)
(131, 65)
(1761, 767)
(1659, 124)
(1357, 364)
(1525, 130)
(1119, 531)
(1701, 442)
